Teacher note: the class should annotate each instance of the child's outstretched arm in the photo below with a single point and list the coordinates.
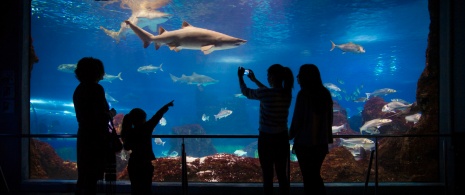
(155, 118)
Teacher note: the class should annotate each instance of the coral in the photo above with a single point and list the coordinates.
(46, 164)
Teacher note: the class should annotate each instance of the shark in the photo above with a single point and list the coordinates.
(188, 37)
(194, 79)
(142, 18)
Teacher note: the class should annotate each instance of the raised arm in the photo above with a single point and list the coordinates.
(152, 122)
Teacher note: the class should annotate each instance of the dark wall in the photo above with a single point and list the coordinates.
(11, 44)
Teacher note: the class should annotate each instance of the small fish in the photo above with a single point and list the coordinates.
(173, 154)
(223, 113)
(68, 68)
(378, 92)
(340, 81)
(393, 106)
(348, 47)
(239, 95)
(110, 98)
(413, 118)
(109, 78)
(367, 144)
(149, 68)
(240, 152)
(337, 129)
(158, 141)
(205, 117)
(372, 126)
(361, 99)
(331, 86)
(399, 100)
(162, 121)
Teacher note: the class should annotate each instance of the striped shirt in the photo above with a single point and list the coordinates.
(274, 107)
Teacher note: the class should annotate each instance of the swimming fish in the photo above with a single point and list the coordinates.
(173, 154)
(372, 126)
(240, 152)
(413, 118)
(149, 68)
(205, 117)
(109, 77)
(188, 37)
(68, 68)
(162, 121)
(393, 106)
(337, 129)
(110, 98)
(348, 47)
(378, 92)
(194, 79)
(331, 86)
(367, 144)
(158, 141)
(223, 113)
(239, 95)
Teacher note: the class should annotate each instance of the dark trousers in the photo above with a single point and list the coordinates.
(273, 152)
(140, 175)
(310, 161)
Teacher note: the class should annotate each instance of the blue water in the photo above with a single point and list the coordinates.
(393, 33)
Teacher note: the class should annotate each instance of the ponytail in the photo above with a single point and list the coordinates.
(129, 120)
(288, 78)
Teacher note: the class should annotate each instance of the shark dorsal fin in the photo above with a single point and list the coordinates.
(185, 24)
(161, 30)
(193, 73)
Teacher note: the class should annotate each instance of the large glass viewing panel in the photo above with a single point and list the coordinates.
(370, 54)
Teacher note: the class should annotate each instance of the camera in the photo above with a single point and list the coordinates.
(246, 72)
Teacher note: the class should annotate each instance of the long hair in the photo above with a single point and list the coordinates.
(129, 121)
(310, 81)
(282, 76)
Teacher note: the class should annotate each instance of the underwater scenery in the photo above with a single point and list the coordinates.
(370, 53)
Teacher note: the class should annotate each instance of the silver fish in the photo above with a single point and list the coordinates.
(372, 126)
(205, 117)
(413, 118)
(158, 141)
(331, 86)
(378, 92)
(194, 79)
(393, 106)
(149, 68)
(223, 113)
(188, 37)
(337, 129)
(348, 47)
(68, 68)
(109, 77)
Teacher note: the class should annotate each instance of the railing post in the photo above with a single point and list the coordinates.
(184, 169)
(376, 165)
(367, 179)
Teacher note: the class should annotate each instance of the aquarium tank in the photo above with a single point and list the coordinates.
(370, 54)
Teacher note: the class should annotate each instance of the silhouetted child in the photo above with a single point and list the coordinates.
(137, 137)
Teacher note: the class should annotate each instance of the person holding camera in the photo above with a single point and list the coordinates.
(273, 140)
(136, 134)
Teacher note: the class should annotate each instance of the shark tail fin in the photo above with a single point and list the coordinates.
(173, 78)
(113, 34)
(368, 95)
(332, 46)
(161, 69)
(145, 36)
(119, 76)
